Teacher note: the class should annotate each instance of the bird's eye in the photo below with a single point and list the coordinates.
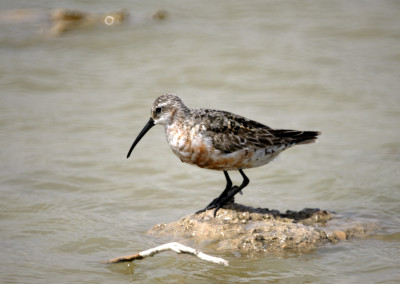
(158, 109)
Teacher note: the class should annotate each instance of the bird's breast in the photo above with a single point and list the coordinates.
(191, 147)
(188, 144)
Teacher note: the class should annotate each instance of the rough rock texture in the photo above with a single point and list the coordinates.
(249, 230)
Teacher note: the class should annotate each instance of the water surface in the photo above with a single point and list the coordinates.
(71, 105)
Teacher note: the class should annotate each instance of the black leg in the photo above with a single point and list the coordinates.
(214, 203)
(227, 194)
(233, 192)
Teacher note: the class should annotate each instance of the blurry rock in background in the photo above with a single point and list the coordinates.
(65, 20)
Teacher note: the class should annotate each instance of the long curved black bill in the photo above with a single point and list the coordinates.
(146, 128)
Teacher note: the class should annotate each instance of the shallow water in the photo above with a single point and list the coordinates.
(71, 105)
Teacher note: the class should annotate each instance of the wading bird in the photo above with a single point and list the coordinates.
(219, 140)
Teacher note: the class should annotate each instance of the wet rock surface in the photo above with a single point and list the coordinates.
(256, 230)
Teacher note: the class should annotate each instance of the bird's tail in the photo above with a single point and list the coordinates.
(297, 137)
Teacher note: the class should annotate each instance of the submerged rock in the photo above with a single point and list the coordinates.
(256, 230)
(65, 20)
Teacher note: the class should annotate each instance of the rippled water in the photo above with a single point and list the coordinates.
(71, 105)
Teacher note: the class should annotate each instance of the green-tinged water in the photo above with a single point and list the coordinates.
(71, 105)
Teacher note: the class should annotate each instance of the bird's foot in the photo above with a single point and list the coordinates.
(218, 203)
(216, 207)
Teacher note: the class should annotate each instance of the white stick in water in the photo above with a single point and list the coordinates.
(176, 247)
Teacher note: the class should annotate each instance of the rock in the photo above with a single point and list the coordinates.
(257, 230)
(159, 15)
(339, 235)
(64, 20)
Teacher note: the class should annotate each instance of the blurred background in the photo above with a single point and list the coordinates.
(78, 79)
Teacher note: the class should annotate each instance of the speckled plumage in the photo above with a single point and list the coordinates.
(220, 140)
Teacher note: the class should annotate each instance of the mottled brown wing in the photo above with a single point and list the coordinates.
(230, 132)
